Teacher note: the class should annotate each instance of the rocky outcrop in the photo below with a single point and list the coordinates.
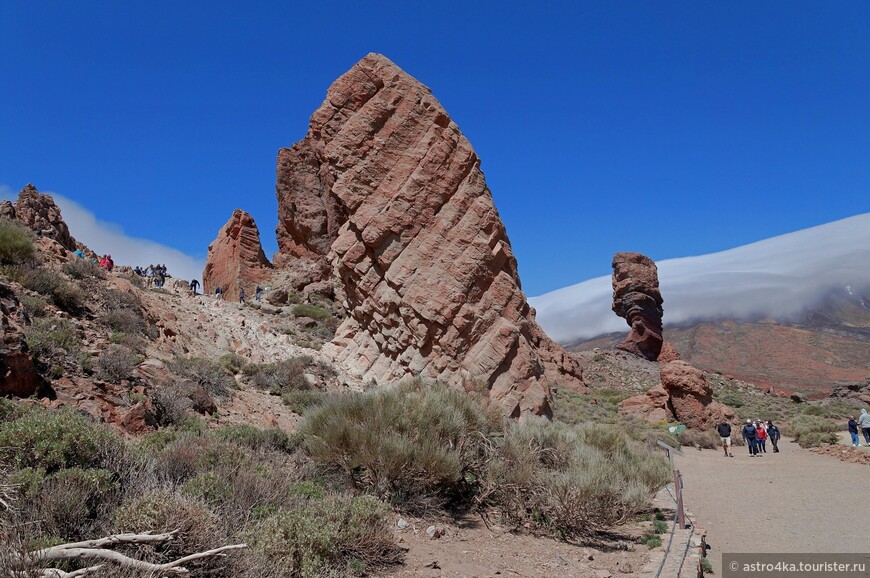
(859, 391)
(386, 195)
(654, 405)
(691, 397)
(236, 259)
(18, 375)
(40, 213)
(637, 299)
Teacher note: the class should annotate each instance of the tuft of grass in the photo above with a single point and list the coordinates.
(312, 311)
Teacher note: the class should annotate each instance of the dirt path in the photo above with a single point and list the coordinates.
(793, 501)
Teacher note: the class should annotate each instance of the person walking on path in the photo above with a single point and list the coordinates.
(750, 435)
(724, 430)
(761, 434)
(257, 293)
(774, 435)
(193, 285)
(853, 431)
(241, 295)
(864, 423)
(218, 293)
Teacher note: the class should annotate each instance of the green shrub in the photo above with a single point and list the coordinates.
(811, 431)
(16, 245)
(232, 363)
(69, 502)
(410, 444)
(35, 306)
(254, 438)
(571, 482)
(707, 440)
(331, 535)
(660, 526)
(652, 541)
(82, 269)
(817, 410)
(300, 400)
(116, 363)
(732, 399)
(312, 311)
(53, 440)
(135, 343)
(47, 282)
(213, 378)
(207, 487)
(128, 321)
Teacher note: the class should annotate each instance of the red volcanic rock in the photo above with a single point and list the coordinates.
(691, 397)
(637, 299)
(654, 405)
(39, 213)
(18, 374)
(668, 353)
(236, 259)
(386, 195)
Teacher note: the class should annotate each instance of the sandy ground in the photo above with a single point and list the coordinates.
(470, 549)
(793, 501)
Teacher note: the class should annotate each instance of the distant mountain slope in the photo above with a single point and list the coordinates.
(828, 344)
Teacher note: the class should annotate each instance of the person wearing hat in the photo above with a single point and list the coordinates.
(750, 435)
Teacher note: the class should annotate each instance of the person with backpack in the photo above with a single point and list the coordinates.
(761, 436)
(774, 435)
(853, 431)
(750, 435)
(724, 430)
(193, 285)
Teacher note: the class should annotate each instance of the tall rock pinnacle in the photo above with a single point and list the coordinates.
(637, 299)
(235, 258)
(386, 195)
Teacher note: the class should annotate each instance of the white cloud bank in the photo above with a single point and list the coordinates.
(778, 277)
(108, 238)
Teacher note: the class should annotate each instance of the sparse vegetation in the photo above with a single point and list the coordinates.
(53, 341)
(279, 377)
(116, 363)
(812, 431)
(50, 284)
(82, 269)
(34, 305)
(311, 311)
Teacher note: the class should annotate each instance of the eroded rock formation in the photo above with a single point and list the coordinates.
(18, 374)
(637, 299)
(236, 259)
(386, 196)
(691, 397)
(40, 213)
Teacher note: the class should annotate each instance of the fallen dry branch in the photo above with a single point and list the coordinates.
(97, 550)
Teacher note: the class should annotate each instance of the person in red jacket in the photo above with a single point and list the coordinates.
(761, 434)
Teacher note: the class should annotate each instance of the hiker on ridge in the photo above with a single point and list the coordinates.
(724, 430)
(241, 295)
(750, 435)
(864, 422)
(193, 285)
(257, 293)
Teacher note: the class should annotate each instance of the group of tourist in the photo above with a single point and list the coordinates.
(219, 293)
(863, 423)
(155, 275)
(754, 433)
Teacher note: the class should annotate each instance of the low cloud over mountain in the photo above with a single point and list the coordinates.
(779, 277)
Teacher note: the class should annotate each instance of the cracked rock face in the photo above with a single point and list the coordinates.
(236, 259)
(637, 299)
(386, 195)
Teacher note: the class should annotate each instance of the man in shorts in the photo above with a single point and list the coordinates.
(724, 430)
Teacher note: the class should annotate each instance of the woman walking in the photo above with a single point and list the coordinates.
(761, 433)
(773, 434)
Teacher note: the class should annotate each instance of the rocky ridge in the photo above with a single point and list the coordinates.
(637, 299)
(236, 259)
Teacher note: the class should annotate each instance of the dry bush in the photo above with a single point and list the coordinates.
(48, 283)
(417, 446)
(169, 407)
(127, 321)
(254, 438)
(16, 245)
(116, 363)
(812, 431)
(82, 269)
(570, 482)
(279, 377)
(337, 534)
(34, 305)
(73, 503)
(700, 439)
(213, 378)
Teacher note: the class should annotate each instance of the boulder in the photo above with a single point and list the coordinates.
(691, 397)
(236, 259)
(654, 405)
(637, 299)
(18, 375)
(386, 198)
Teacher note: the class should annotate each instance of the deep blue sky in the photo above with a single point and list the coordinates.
(669, 128)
